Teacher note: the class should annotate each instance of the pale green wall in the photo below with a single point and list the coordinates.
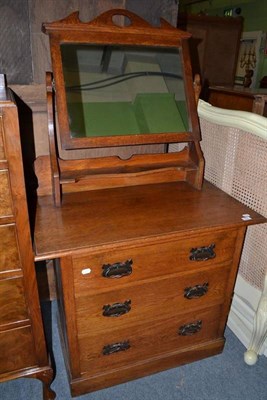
(254, 13)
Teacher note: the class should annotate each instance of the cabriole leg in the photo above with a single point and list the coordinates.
(46, 377)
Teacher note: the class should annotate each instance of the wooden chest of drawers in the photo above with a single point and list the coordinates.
(145, 276)
(239, 98)
(22, 344)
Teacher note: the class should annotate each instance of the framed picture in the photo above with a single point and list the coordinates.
(248, 59)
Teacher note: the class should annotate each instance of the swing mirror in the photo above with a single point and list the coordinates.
(121, 85)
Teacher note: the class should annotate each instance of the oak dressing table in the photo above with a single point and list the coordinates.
(145, 253)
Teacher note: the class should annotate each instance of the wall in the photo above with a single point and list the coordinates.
(24, 49)
(254, 13)
(15, 49)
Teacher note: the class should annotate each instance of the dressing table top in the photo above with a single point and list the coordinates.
(111, 216)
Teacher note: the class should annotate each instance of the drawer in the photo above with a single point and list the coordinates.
(122, 347)
(17, 350)
(5, 195)
(153, 301)
(12, 301)
(9, 255)
(150, 261)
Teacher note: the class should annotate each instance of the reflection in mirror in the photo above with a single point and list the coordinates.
(118, 90)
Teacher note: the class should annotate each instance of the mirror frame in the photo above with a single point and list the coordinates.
(104, 31)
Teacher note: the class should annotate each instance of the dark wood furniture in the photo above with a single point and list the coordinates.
(23, 349)
(214, 47)
(239, 98)
(145, 276)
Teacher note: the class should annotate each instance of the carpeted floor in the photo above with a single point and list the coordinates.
(222, 377)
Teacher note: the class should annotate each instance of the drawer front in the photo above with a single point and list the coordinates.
(153, 301)
(145, 262)
(125, 346)
(5, 195)
(17, 350)
(9, 255)
(12, 301)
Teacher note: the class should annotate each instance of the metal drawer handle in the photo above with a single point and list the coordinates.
(193, 292)
(118, 269)
(190, 329)
(116, 309)
(115, 348)
(202, 253)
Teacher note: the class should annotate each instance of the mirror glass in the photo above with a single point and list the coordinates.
(123, 90)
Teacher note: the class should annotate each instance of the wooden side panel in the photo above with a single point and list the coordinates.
(9, 255)
(67, 314)
(14, 310)
(5, 195)
(17, 350)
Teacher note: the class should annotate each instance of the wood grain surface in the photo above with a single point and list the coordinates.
(134, 213)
